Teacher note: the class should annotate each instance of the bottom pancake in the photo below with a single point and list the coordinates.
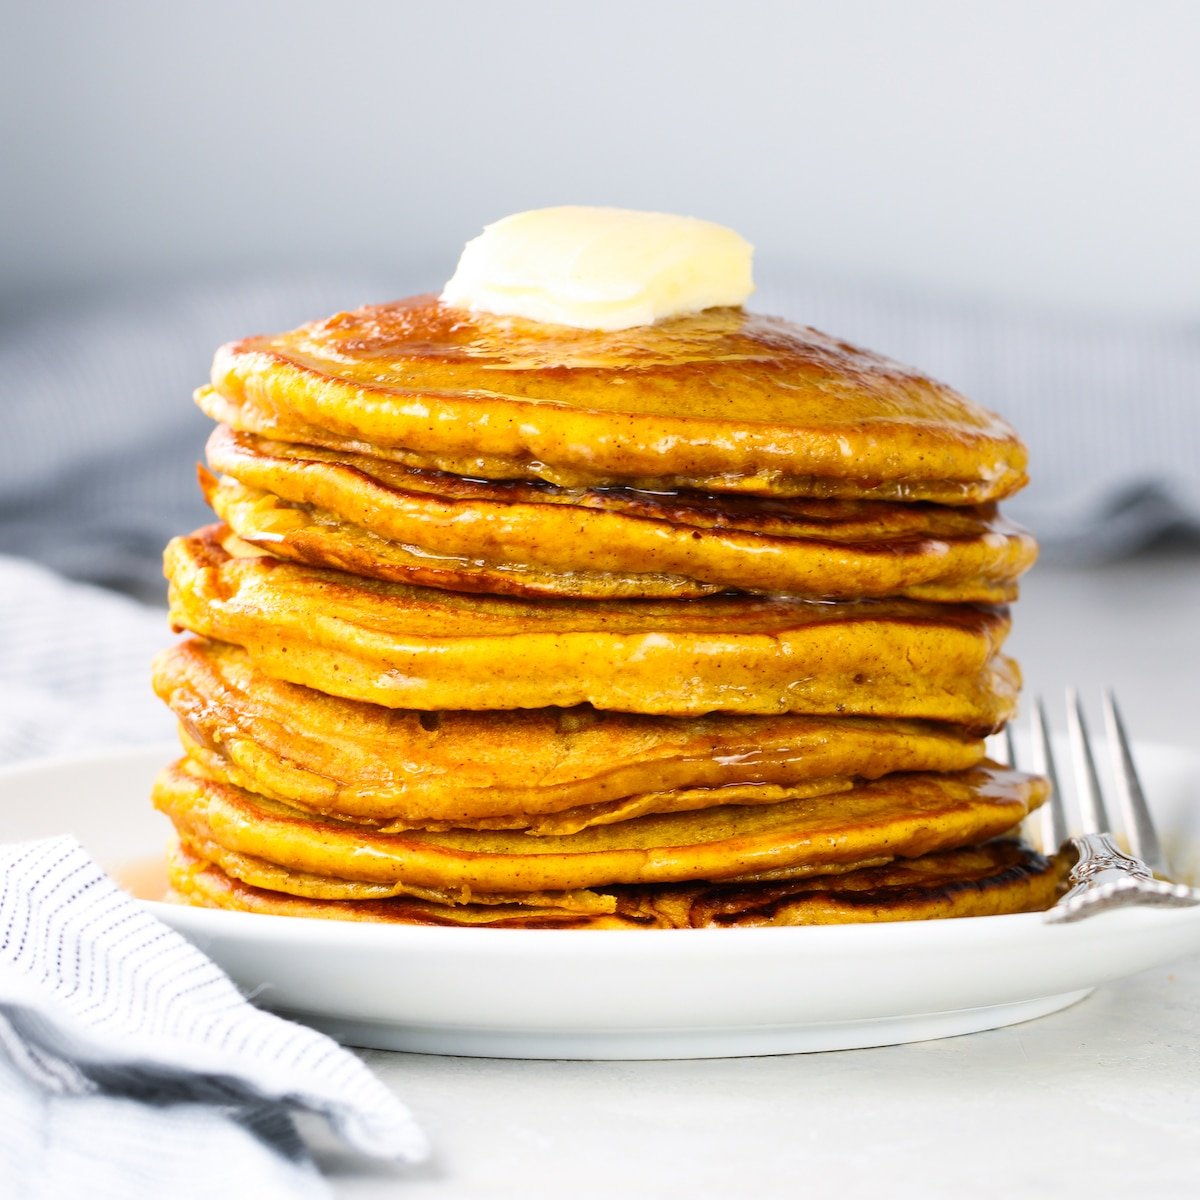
(1000, 876)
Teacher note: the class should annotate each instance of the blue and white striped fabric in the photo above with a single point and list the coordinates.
(75, 667)
(131, 1067)
(129, 1064)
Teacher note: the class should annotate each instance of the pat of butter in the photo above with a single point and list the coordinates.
(600, 268)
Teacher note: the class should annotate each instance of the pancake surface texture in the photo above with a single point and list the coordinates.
(409, 647)
(1002, 876)
(722, 400)
(900, 815)
(544, 768)
(377, 518)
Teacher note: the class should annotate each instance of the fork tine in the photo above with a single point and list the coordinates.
(1143, 839)
(1052, 817)
(1088, 797)
(1010, 749)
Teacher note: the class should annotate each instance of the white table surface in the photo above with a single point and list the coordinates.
(1099, 1100)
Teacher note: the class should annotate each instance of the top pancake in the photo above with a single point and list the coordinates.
(721, 400)
(1000, 876)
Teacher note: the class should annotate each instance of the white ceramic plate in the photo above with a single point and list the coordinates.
(637, 993)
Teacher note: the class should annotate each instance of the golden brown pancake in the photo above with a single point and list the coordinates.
(418, 648)
(1002, 876)
(196, 880)
(897, 816)
(570, 820)
(721, 400)
(378, 518)
(555, 770)
(260, 872)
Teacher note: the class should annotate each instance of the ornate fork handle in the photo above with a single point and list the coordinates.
(1106, 877)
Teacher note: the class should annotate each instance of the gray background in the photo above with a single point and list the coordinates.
(1036, 150)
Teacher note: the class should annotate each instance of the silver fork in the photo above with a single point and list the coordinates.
(1104, 876)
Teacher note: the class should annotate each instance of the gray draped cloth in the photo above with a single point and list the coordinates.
(100, 437)
(131, 1068)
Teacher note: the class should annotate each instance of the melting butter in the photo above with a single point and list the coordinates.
(601, 268)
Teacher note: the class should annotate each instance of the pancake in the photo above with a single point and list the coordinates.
(195, 880)
(1002, 876)
(721, 400)
(570, 820)
(259, 872)
(377, 518)
(418, 648)
(553, 770)
(897, 816)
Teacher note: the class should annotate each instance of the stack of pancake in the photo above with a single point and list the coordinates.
(514, 624)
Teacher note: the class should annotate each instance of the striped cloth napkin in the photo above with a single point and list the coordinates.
(75, 667)
(131, 1067)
